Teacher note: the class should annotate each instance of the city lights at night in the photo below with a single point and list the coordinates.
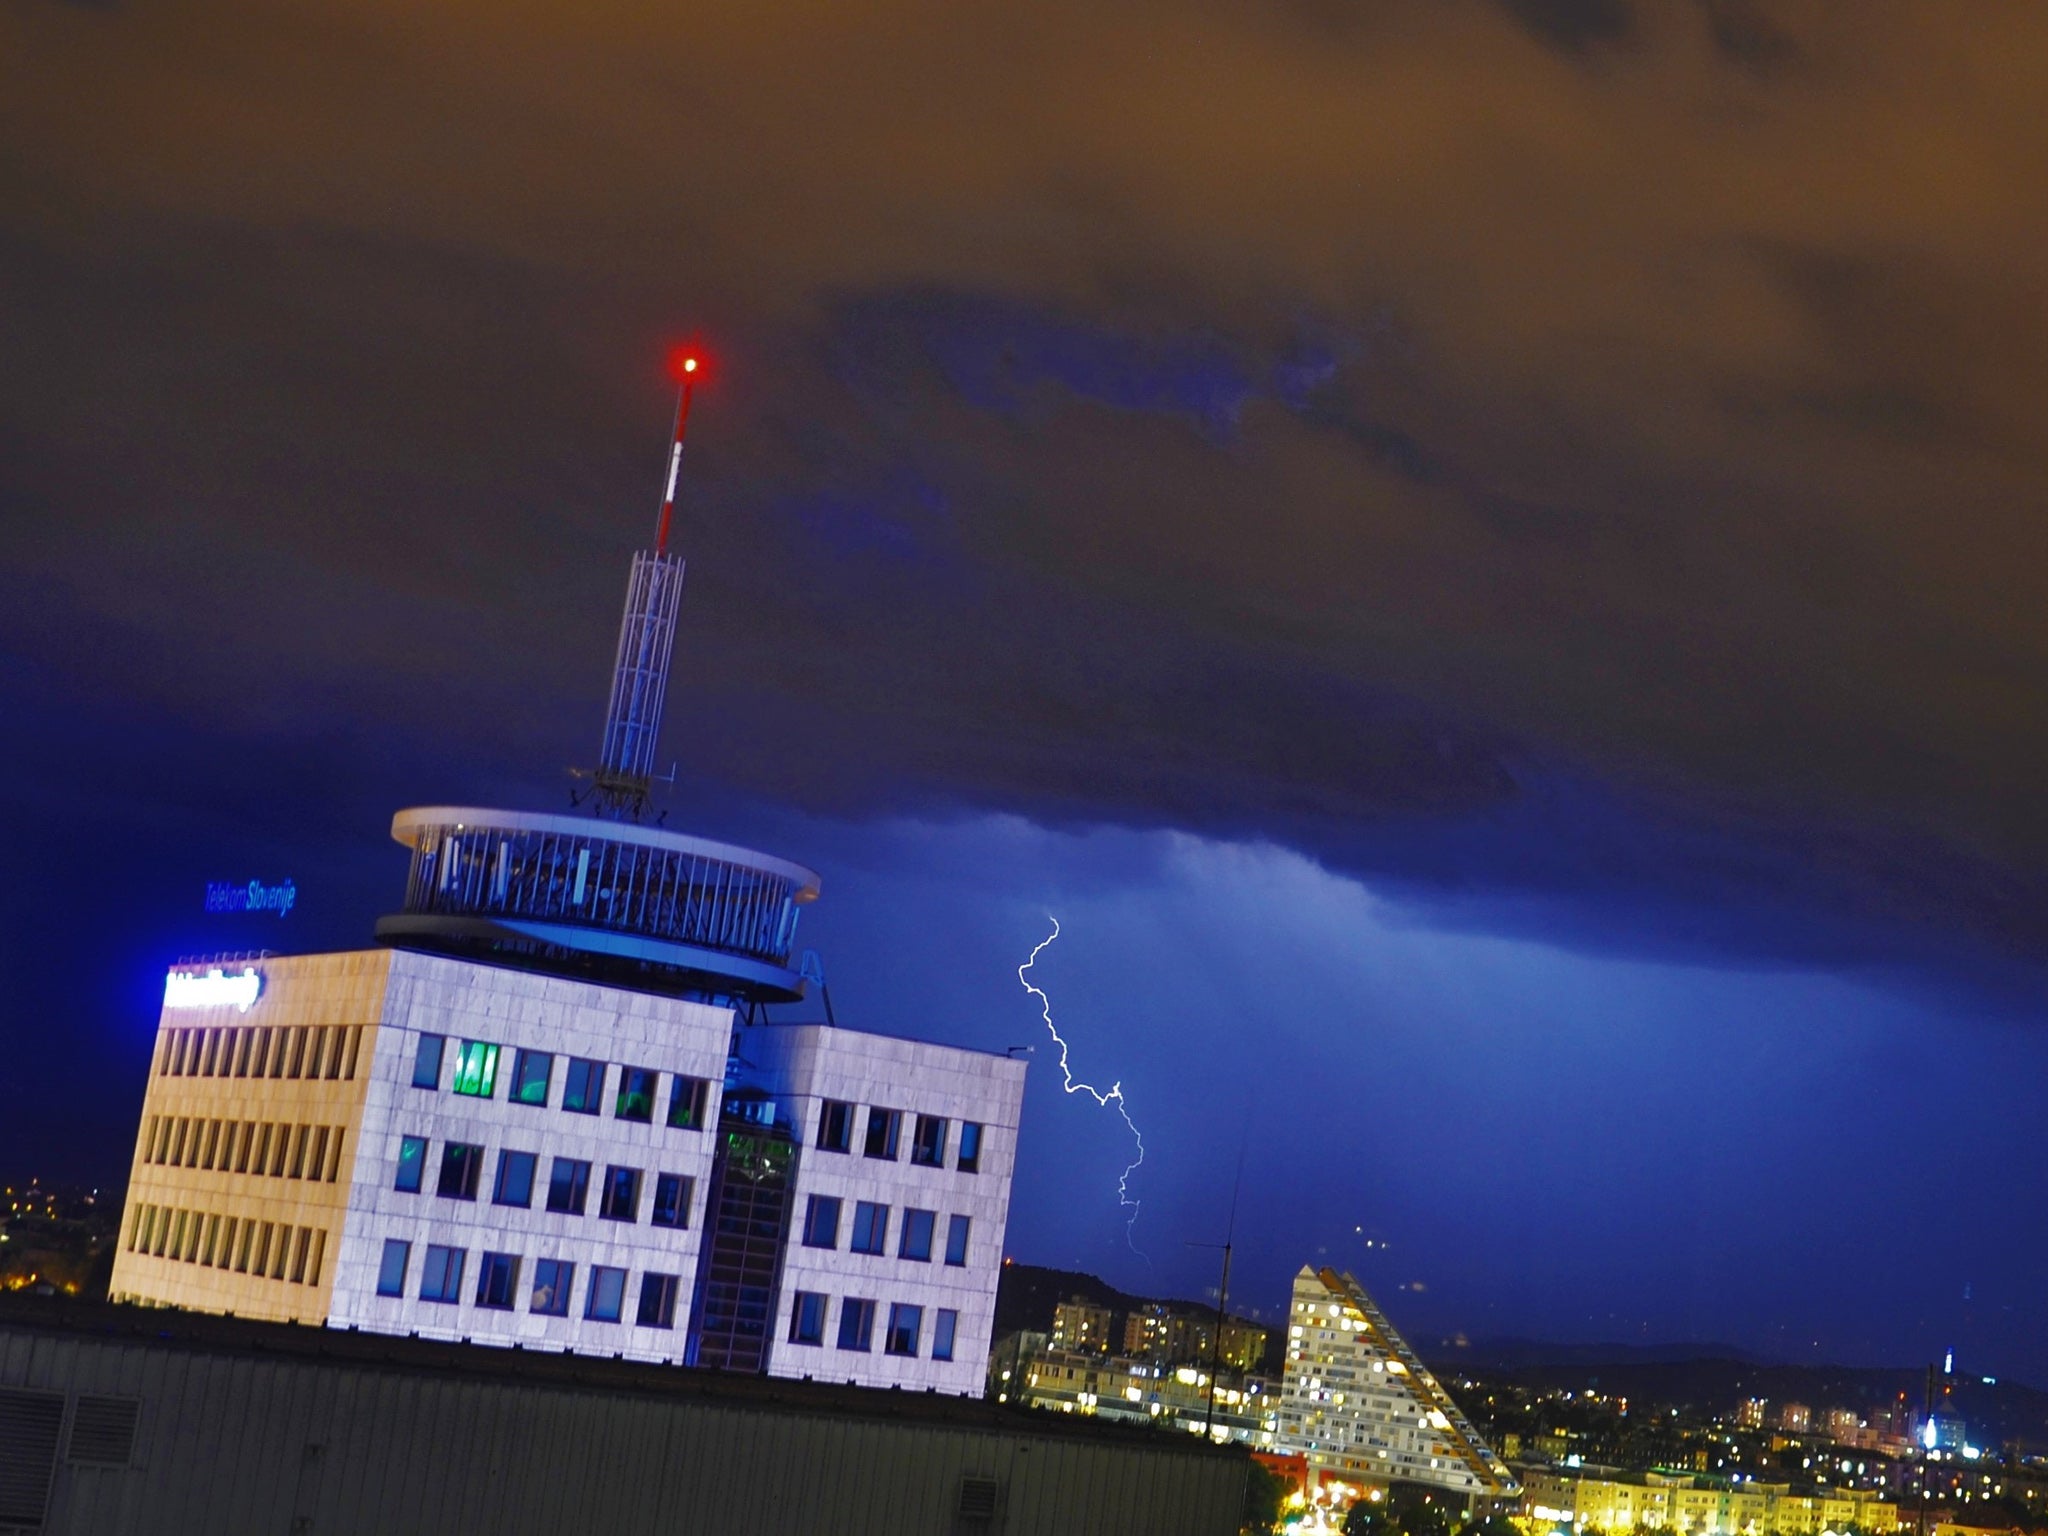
(1483, 555)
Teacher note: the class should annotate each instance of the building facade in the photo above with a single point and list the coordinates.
(418, 1143)
(1589, 1500)
(1362, 1408)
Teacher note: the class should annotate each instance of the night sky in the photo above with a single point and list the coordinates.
(1486, 560)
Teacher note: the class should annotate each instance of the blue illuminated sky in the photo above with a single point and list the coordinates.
(1484, 557)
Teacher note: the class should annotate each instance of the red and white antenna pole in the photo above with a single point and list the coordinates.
(686, 370)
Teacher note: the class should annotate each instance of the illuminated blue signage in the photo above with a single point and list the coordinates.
(214, 989)
(221, 896)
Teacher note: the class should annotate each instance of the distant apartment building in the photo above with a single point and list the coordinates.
(1082, 1326)
(1029, 1368)
(1169, 1335)
(1842, 1425)
(1362, 1408)
(1618, 1503)
(1795, 1418)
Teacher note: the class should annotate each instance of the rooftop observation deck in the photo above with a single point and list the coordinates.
(608, 901)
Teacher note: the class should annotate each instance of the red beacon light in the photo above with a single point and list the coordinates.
(683, 366)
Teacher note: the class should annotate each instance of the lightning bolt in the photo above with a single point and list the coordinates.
(1113, 1098)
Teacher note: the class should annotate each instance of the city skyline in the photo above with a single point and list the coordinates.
(1492, 587)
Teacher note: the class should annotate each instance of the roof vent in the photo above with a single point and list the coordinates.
(978, 1497)
(29, 1424)
(103, 1431)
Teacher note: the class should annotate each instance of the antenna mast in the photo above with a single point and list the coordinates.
(647, 637)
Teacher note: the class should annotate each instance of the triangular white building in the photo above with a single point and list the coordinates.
(1362, 1408)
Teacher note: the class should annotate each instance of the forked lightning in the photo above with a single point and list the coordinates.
(1114, 1097)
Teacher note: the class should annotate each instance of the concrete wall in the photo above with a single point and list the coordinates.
(514, 1009)
(242, 1427)
(811, 1064)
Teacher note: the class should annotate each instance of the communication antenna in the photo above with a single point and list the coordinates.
(647, 636)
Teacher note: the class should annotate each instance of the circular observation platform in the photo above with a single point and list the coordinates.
(602, 901)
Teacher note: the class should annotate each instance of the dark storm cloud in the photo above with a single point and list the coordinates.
(1268, 419)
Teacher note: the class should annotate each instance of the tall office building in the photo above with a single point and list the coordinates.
(552, 1109)
(1362, 1408)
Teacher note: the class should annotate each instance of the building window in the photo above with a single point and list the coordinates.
(636, 1094)
(944, 1325)
(568, 1182)
(883, 1125)
(658, 1300)
(412, 1164)
(497, 1281)
(530, 1073)
(688, 1099)
(835, 1127)
(426, 1061)
(476, 1069)
(515, 1179)
(461, 1164)
(583, 1086)
(552, 1281)
(856, 1323)
(607, 1294)
(917, 1236)
(928, 1145)
(906, 1322)
(619, 1200)
(821, 1222)
(391, 1268)
(956, 1239)
(870, 1228)
(441, 1274)
(671, 1200)
(969, 1158)
(807, 1318)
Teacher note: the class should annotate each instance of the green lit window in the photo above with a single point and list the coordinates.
(476, 1068)
(636, 1094)
(530, 1073)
